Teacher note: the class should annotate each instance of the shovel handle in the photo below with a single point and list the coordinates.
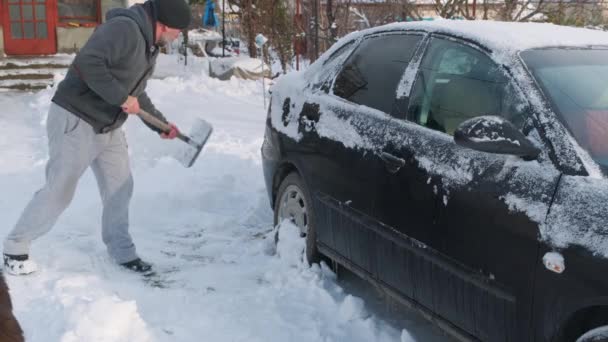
(160, 124)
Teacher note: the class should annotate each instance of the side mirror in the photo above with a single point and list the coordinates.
(494, 134)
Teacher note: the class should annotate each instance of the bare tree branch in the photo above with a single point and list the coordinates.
(361, 16)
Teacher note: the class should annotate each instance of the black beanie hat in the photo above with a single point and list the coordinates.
(173, 13)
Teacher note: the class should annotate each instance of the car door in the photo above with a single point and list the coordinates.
(335, 153)
(343, 127)
(480, 233)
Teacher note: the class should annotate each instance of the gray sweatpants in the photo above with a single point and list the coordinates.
(73, 147)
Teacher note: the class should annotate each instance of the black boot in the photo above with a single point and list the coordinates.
(138, 266)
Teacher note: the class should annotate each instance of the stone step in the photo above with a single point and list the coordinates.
(53, 62)
(11, 66)
(31, 73)
(26, 74)
(25, 84)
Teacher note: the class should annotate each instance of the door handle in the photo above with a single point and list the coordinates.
(393, 164)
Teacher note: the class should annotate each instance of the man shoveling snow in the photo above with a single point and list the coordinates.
(104, 84)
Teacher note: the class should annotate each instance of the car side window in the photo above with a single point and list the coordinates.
(371, 74)
(456, 82)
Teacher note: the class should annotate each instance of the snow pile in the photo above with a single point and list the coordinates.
(291, 246)
(346, 310)
(88, 319)
(74, 307)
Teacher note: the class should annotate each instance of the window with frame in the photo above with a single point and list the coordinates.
(457, 82)
(79, 12)
(27, 19)
(372, 73)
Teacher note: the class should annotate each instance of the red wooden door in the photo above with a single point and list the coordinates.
(29, 27)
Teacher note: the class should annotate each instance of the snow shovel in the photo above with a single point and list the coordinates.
(199, 134)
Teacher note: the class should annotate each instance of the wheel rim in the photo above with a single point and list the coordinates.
(598, 334)
(293, 207)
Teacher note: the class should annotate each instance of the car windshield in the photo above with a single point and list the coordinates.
(576, 82)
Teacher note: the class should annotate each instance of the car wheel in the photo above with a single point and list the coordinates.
(595, 335)
(293, 202)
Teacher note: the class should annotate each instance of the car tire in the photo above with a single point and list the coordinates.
(596, 335)
(293, 202)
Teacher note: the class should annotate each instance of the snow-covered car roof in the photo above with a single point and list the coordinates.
(503, 37)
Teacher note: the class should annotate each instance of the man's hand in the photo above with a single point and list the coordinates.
(172, 133)
(131, 106)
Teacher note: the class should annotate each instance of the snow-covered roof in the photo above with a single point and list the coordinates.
(504, 36)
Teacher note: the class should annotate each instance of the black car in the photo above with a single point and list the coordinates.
(459, 166)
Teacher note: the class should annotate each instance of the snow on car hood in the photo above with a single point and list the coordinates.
(579, 215)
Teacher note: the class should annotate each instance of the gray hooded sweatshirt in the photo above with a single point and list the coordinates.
(116, 62)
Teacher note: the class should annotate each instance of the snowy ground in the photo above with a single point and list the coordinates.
(207, 228)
